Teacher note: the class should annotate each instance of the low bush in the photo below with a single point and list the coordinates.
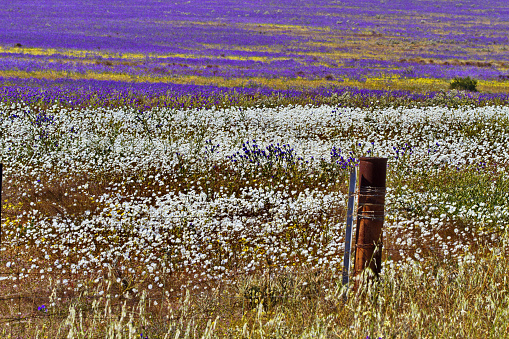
(464, 84)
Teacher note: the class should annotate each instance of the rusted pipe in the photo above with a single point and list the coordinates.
(370, 215)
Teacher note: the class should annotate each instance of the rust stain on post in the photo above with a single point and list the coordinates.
(370, 214)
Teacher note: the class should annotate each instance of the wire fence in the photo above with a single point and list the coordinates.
(26, 307)
(22, 306)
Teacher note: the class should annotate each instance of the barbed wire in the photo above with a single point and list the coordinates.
(163, 299)
(88, 317)
(247, 299)
(381, 212)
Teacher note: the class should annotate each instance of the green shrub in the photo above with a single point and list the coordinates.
(464, 84)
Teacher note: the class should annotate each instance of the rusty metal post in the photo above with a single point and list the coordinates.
(370, 215)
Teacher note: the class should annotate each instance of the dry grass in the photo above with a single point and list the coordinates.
(427, 300)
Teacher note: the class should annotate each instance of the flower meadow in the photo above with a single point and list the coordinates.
(242, 208)
(180, 169)
(370, 44)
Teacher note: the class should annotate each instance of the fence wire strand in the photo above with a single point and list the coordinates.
(389, 209)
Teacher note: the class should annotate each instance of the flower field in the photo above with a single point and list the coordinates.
(175, 170)
(365, 44)
(118, 201)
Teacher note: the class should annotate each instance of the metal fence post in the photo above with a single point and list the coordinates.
(349, 222)
(370, 215)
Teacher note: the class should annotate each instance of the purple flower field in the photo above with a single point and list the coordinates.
(278, 45)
